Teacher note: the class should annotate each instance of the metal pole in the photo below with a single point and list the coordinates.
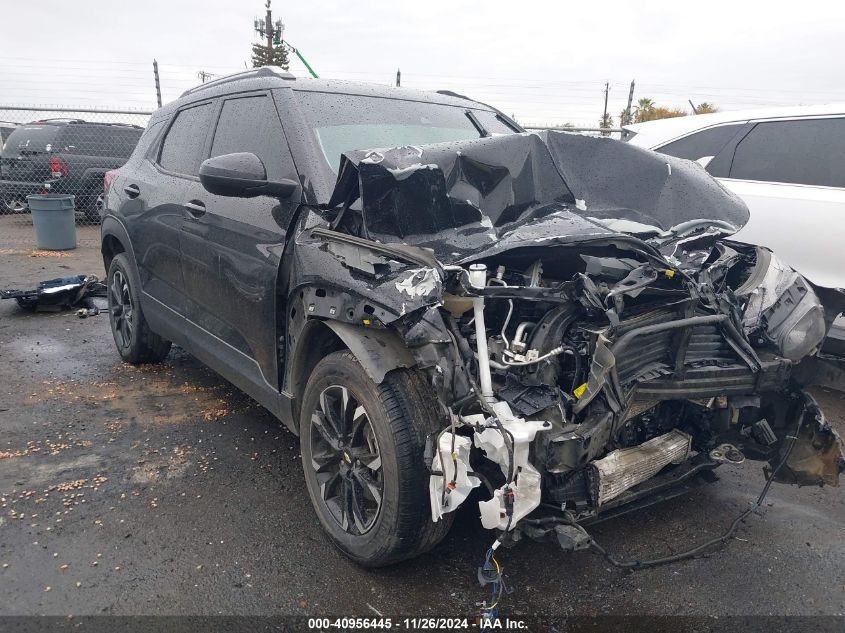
(305, 63)
(158, 84)
(398, 77)
(628, 109)
(692, 105)
(604, 122)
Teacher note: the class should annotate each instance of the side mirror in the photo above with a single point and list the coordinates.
(241, 175)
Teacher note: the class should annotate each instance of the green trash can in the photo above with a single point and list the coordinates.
(54, 219)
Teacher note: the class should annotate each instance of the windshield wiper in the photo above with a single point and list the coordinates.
(478, 126)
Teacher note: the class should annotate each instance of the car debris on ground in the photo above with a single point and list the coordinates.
(54, 295)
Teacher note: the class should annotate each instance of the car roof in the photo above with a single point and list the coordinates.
(269, 77)
(655, 133)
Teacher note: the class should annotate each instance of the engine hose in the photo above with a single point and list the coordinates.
(461, 344)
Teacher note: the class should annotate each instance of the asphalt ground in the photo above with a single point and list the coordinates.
(164, 490)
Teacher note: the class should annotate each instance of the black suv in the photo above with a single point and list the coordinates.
(66, 156)
(554, 319)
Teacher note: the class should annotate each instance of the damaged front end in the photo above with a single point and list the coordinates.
(593, 343)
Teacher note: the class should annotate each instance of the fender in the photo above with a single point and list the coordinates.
(378, 351)
(114, 227)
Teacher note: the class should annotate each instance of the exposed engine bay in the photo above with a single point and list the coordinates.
(592, 338)
(598, 371)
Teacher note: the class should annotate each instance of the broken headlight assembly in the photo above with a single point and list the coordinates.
(782, 308)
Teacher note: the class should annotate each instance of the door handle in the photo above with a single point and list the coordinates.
(132, 191)
(196, 208)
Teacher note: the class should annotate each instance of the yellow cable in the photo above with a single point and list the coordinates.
(499, 575)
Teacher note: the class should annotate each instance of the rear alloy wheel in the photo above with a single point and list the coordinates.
(120, 308)
(362, 453)
(135, 342)
(15, 205)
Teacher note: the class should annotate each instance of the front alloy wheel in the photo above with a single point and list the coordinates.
(363, 447)
(346, 460)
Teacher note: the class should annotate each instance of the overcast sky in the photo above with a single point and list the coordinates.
(545, 62)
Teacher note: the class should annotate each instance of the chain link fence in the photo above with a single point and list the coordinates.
(62, 150)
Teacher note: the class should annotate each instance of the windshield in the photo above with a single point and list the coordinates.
(342, 123)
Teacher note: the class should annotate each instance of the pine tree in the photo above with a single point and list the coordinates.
(262, 56)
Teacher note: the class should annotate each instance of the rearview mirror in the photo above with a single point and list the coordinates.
(241, 175)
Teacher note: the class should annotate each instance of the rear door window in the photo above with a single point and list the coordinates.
(251, 124)
(183, 147)
(707, 142)
(808, 152)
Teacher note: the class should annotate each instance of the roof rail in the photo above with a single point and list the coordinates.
(263, 71)
(449, 93)
(59, 120)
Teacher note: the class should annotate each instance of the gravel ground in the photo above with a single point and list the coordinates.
(164, 490)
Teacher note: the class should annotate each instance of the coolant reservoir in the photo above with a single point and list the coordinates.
(457, 306)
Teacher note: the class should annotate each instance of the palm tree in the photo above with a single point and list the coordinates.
(606, 121)
(705, 108)
(644, 106)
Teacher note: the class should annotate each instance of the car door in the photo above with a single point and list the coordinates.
(791, 174)
(153, 203)
(231, 247)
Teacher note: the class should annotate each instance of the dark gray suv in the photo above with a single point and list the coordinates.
(63, 156)
(437, 302)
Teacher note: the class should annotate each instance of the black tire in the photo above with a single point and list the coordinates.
(91, 206)
(135, 342)
(400, 412)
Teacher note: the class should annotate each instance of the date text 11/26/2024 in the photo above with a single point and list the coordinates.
(415, 624)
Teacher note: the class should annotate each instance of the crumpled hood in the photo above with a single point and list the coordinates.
(466, 198)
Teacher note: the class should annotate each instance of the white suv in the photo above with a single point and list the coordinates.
(788, 165)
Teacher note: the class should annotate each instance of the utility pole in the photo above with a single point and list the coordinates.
(692, 105)
(628, 108)
(604, 116)
(398, 77)
(158, 84)
(204, 76)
